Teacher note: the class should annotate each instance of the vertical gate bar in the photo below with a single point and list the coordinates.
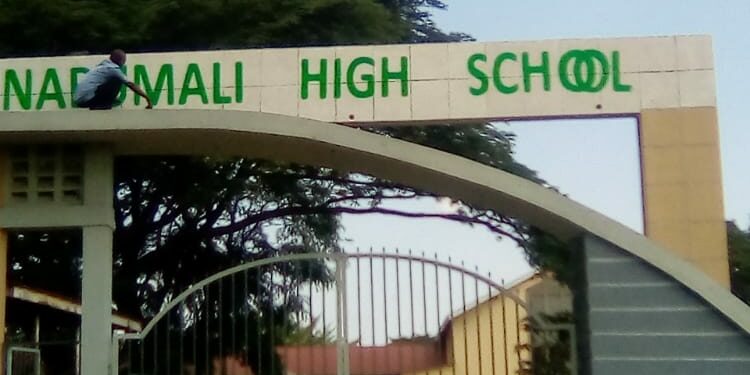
(465, 319)
(259, 313)
(372, 299)
(196, 316)
(246, 317)
(130, 357)
(479, 320)
(142, 346)
(518, 332)
(284, 311)
(372, 309)
(299, 306)
(273, 323)
(341, 330)
(156, 347)
(233, 315)
(411, 309)
(220, 313)
(398, 306)
(168, 351)
(359, 309)
(500, 297)
(359, 304)
(505, 337)
(437, 307)
(325, 331)
(208, 337)
(385, 301)
(182, 346)
(411, 296)
(451, 315)
(424, 295)
(312, 319)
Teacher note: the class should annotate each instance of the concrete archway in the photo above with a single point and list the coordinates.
(322, 144)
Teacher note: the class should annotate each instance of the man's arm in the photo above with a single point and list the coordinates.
(141, 93)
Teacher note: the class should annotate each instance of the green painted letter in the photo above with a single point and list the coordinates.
(402, 75)
(616, 78)
(321, 78)
(239, 84)
(166, 76)
(193, 74)
(478, 74)
(369, 79)
(497, 75)
(51, 78)
(74, 73)
(218, 98)
(529, 69)
(337, 78)
(12, 82)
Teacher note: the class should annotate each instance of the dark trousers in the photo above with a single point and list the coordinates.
(105, 96)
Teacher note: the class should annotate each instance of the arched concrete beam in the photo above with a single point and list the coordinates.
(198, 132)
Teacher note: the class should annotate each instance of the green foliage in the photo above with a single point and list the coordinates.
(64, 26)
(551, 345)
(739, 261)
(180, 219)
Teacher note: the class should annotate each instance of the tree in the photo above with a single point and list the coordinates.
(180, 219)
(739, 261)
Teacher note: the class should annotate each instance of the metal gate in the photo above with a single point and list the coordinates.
(344, 313)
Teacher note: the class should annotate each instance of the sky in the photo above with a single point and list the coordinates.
(605, 177)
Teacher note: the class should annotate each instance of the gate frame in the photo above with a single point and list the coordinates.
(340, 260)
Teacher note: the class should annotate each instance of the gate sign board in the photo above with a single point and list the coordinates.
(667, 83)
(399, 83)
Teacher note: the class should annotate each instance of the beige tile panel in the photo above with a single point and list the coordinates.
(463, 104)
(661, 128)
(429, 61)
(705, 237)
(700, 126)
(659, 90)
(394, 107)
(349, 108)
(694, 52)
(459, 53)
(697, 88)
(274, 100)
(666, 202)
(430, 99)
(671, 234)
(250, 101)
(316, 108)
(663, 165)
(702, 164)
(280, 67)
(705, 201)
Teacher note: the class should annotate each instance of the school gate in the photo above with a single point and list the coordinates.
(647, 305)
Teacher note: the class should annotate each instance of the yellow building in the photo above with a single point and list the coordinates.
(494, 337)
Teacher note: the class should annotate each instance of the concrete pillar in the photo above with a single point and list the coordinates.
(96, 310)
(4, 177)
(682, 188)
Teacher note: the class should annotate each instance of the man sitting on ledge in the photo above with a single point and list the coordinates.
(101, 86)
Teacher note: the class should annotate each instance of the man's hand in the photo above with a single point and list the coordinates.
(141, 93)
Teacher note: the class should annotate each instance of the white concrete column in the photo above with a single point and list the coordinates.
(96, 310)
